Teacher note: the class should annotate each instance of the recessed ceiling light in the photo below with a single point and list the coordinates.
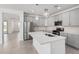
(46, 12)
(57, 7)
(45, 9)
(36, 4)
(32, 11)
(37, 17)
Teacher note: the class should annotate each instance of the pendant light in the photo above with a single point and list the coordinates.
(57, 7)
(37, 17)
(46, 12)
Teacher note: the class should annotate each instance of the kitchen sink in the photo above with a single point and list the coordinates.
(50, 35)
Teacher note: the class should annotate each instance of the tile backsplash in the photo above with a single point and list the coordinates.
(47, 29)
(74, 30)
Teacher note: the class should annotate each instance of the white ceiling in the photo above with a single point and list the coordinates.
(37, 9)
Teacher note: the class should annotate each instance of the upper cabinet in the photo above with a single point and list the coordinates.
(65, 19)
(74, 17)
(60, 17)
(39, 22)
(56, 17)
(50, 21)
(70, 18)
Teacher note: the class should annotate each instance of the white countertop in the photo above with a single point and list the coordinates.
(75, 33)
(42, 38)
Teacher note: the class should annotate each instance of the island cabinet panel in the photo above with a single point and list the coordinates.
(58, 47)
(41, 49)
(65, 19)
(74, 17)
(45, 44)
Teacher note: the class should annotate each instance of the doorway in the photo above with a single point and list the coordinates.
(10, 29)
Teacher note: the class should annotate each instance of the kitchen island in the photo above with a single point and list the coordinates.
(47, 43)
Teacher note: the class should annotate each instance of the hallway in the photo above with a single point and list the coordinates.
(14, 46)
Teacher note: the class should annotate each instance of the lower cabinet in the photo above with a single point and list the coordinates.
(71, 39)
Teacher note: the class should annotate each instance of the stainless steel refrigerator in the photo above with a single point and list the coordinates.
(26, 30)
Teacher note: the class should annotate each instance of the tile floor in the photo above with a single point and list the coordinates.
(71, 50)
(14, 46)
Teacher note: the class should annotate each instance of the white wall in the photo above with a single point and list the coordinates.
(12, 26)
(12, 21)
(15, 26)
(0, 27)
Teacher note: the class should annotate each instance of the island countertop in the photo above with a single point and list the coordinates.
(43, 39)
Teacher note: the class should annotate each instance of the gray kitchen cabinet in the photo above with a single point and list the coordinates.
(73, 40)
(65, 19)
(74, 17)
(70, 40)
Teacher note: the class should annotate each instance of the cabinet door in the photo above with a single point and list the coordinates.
(60, 17)
(41, 21)
(74, 17)
(50, 21)
(73, 40)
(65, 19)
(56, 17)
